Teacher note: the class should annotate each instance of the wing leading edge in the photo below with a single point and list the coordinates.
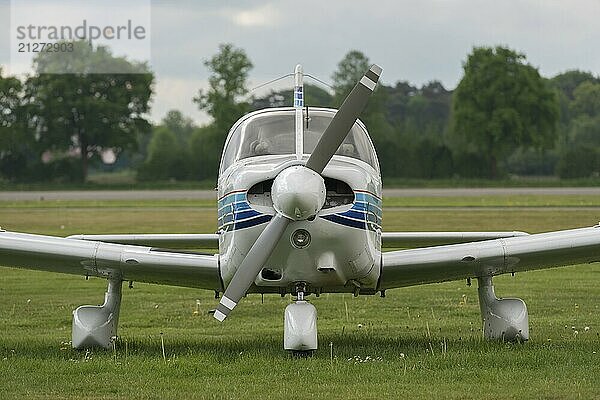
(94, 258)
(491, 257)
(169, 240)
(420, 239)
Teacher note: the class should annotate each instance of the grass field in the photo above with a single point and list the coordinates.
(419, 342)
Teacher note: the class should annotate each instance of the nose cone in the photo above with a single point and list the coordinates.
(298, 193)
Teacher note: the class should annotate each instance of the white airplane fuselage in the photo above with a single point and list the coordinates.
(339, 250)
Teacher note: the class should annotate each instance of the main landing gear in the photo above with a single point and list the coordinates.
(504, 319)
(97, 325)
(300, 326)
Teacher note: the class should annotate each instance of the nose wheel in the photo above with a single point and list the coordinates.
(300, 326)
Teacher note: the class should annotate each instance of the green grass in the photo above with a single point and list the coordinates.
(382, 348)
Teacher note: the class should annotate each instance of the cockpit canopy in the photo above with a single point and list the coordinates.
(272, 132)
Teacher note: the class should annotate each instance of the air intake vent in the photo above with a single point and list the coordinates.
(338, 193)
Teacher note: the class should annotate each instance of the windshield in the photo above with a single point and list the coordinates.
(356, 144)
(273, 132)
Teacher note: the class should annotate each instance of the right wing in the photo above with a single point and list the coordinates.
(94, 258)
(165, 240)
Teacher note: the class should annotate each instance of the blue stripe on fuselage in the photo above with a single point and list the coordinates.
(364, 214)
(235, 213)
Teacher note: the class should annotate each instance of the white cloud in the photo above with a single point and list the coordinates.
(177, 94)
(259, 17)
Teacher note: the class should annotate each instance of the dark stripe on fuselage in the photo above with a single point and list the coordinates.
(364, 214)
(247, 223)
(235, 213)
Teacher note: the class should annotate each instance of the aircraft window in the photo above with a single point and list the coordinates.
(262, 134)
(355, 145)
(273, 132)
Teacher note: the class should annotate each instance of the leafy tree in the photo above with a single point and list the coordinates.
(205, 146)
(434, 160)
(227, 85)
(349, 71)
(502, 103)
(568, 81)
(166, 157)
(87, 113)
(578, 162)
(586, 99)
(180, 125)
(398, 97)
(15, 140)
(585, 128)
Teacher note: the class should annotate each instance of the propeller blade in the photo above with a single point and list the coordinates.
(343, 120)
(251, 265)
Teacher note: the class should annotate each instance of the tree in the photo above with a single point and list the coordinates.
(580, 156)
(86, 113)
(205, 146)
(585, 108)
(502, 103)
(166, 157)
(586, 99)
(568, 81)
(15, 143)
(578, 162)
(227, 85)
(398, 97)
(349, 71)
(180, 125)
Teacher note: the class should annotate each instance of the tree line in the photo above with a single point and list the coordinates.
(502, 118)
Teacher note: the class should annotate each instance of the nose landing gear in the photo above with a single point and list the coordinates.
(300, 326)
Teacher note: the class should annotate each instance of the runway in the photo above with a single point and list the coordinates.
(211, 194)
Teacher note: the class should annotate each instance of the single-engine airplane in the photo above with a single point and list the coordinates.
(299, 212)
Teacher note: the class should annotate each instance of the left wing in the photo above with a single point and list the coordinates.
(491, 257)
(419, 239)
(94, 258)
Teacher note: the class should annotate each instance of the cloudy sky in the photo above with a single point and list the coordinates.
(417, 41)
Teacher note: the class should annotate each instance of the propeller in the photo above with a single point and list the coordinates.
(343, 120)
(298, 192)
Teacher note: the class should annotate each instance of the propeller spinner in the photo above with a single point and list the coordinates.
(298, 192)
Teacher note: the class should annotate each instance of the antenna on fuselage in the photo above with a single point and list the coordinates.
(298, 104)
